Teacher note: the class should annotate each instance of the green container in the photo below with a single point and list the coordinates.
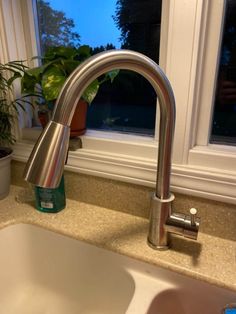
(51, 200)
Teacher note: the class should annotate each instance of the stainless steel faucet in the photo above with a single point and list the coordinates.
(46, 162)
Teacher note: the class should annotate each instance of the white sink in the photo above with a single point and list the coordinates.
(42, 272)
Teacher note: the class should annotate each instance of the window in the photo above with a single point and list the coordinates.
(129, 103)
(224, 117)
(191, 33)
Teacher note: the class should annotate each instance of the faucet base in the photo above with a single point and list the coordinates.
(158, 247)
(163, 223)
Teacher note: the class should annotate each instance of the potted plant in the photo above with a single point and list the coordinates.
(46, 81)
(9, 72)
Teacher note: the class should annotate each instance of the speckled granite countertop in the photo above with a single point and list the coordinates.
(211, 259)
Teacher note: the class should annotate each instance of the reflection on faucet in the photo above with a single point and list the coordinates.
(46, 162)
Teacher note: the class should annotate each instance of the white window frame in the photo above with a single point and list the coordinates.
(190, 37)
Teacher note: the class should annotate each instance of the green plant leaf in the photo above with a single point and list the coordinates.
(91, 91)
(112, 75)
(37, 71)
(70, 65)
(19, 63)
(109, 76)
(52, 82)
(3, 84)
(9, 72)
(28, 83)
(13, 78)
(61, 52)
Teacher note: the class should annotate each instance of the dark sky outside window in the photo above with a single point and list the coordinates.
(129, 103)
(224, 117)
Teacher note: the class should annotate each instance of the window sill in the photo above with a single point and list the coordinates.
(94, 159)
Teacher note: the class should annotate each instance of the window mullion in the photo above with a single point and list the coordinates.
(208, 68)
(184, 27)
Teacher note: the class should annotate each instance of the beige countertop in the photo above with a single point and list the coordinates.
(211, 259)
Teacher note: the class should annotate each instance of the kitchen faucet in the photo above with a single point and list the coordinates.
(46, 162)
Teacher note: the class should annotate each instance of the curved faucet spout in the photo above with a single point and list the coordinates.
(45, 169)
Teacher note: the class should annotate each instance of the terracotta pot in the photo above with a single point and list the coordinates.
(44, 118)
(78, 123)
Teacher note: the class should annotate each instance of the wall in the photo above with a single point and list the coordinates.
(217, 219)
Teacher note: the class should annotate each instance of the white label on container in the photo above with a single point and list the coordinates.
(47, 204)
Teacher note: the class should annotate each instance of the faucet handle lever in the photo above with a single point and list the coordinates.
(193, 213)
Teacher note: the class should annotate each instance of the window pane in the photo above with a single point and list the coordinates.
(224, 117)
(129, 103)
